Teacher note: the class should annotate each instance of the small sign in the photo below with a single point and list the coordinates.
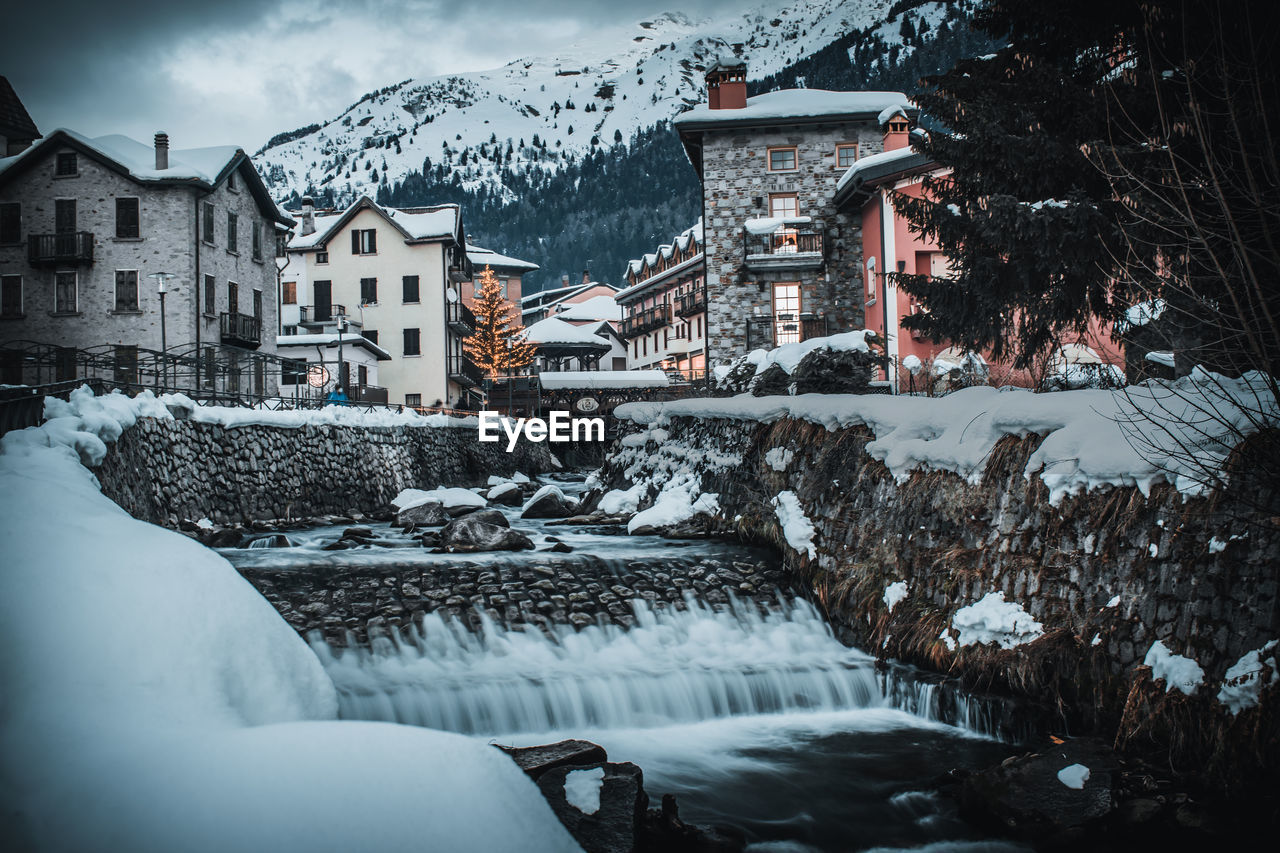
(317, 376)
(586, 404)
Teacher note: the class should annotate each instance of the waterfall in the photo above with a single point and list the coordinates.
(673, 666)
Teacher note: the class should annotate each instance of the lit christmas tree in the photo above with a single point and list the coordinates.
(496, 345)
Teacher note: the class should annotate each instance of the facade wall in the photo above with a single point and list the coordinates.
(736, 186)
(682, 342)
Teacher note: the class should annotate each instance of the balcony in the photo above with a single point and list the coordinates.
(637, 323)
(784, 249)
(240, 330)
(60, 249)
(460, 270)
(464, 371)
(368, 394)
(694, 302)
(312, 314)
(460, 318)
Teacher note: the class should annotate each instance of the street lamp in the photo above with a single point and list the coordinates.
(162, 287)
(342, 325)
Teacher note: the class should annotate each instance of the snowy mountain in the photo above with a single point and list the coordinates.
(536, 113)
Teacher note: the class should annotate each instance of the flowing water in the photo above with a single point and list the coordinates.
(753, 714)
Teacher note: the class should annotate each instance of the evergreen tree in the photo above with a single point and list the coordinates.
(496, 345)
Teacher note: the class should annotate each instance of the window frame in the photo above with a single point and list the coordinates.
(66, 157)
(121, 228)
(413, 401)
(210, 295)
(233, 289)
(364, 241)
(322, 257)
(59, 309)
(846, 146)
(778, 321)
(369, 287)
(208, 232)
(255, 232)
(417, 343)
(16, 222)
(778, 149)
(7, 279)
(795, 197)
(417, 289)
(133, 307)
(233, 232)
(288, 293)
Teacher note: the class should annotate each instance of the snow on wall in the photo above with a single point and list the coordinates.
(1092, 439)
(155, 700)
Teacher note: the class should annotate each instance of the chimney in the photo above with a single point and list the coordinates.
(896, 127)
(727, 84)
(586, 276)
(564, 280)
(162, 151)
(308, 215)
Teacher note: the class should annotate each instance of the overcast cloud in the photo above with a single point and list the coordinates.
(239, 71)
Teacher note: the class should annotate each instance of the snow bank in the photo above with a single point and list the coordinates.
(673, 506)
(1176, 670)
(620, 501)
(994, 620)
(788, 356)
(797, 529)
(1093, 438)
(350, 416)
(154, 701)
(1243, 682)
(449, 497)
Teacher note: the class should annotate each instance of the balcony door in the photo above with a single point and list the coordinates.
(64, 215)
(784, 206)
(786, 313)
(323, 291)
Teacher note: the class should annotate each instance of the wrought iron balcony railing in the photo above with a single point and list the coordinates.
(694, 302)
(50, 249)
(639, 322)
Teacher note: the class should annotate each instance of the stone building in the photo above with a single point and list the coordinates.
(664, 307)
(782, 261)
(86, 226)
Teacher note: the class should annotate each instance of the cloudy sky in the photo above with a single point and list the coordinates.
(240, 71)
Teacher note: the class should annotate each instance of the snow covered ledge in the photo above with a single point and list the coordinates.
(153, 698)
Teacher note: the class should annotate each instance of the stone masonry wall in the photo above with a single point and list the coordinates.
(168, 471)
(1201, 575)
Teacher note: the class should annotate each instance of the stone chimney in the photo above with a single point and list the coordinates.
(308, 215)
(727, 84)
(897, 128)
(586, 276)
(162, 151)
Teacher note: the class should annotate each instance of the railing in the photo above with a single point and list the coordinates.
(694, 302)
(785, 246)
(463, 369)
(639, 322)
(69, 248)
(461, 318)
(239, 329)
(368, 394)
(320, 313)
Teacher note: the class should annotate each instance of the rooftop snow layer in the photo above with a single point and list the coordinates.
(801, 104)
(875, 163)
(481, 258)
(553, 330)
(595, 308)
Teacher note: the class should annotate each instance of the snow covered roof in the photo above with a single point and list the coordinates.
(417, 224)
(567, 379)
(788, 106)
(667, 251)
(891, 111)
(330, 339)
(481, 258)
(201, 167)
(553, 330)
(595, 308)
(877, 166)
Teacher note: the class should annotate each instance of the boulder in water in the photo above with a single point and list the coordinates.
(507, 494)
(275, 540)
(614, 825)
(430, 514)
(536, 760)
(469, 534)
(489, 516)
(547, 502)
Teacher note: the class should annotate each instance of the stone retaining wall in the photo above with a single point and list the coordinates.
(168, 471)
(953, 542)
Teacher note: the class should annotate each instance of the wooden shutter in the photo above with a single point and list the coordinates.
(355, 242)
(373, 241)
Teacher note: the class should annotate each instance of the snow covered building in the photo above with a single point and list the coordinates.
(782, 260)
(509, 272)
(664, 307)
(86, 226)
(545, 303)
(393, 276)
(349, 359)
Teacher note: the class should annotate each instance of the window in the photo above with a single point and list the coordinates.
(232, 239)
(412, 342)
(871, 279)
(364, 241)
(67, 165)
(846, 155)
(256, 230)
(286, 331)
(322, 257)
(11, 222)
(126, 366)
(368, 291)
(370, 335)
(126, 290)
(362, 375)
(207, 233)
(414, 400)
(289, 293)
(64, 215)
(210, 304)
(411, 288)
(231, 183)
(11, 296)
(786, 313)
(782, 159)
(784, 205)
(257, 305)
(64, 293)
(233, 297)
(127, 226)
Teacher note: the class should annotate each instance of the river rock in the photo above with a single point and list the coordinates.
(1024, 795)
(615, 826)
(357, 533)
(224, 538)
(548, 502)
(469, 534)
(507, 494)
(429, 514)
(536, 760)
(275, 540)
(489, 516)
